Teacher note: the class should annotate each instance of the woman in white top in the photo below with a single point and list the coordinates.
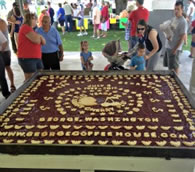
(75, 10)
(6, 55)
(3, 81)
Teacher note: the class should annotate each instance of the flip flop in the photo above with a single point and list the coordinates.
(12, 88)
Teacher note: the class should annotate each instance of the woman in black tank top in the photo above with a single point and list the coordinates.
(152, 41)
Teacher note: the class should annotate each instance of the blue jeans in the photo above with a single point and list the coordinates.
(68, 19)
(134, 40)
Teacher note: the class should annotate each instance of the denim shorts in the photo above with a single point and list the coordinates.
(30, 65)
(81, 22)
(61, 22)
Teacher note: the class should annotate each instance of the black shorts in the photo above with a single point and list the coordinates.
(6, 55)
(61, 22)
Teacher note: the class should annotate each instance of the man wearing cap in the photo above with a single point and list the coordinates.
(135, 16)
(10, 21)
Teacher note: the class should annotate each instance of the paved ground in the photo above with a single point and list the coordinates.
(72, 62)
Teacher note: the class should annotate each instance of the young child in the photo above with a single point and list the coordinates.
(86, 57)
(138, 61)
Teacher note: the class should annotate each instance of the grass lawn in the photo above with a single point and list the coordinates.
(188, 45)
(71, 42)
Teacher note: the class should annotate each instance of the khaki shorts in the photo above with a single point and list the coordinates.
(170, 60)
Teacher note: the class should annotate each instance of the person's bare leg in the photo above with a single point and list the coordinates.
(105, 34)
(94, 30)
(102, 33)
(27, 76)
(10, 75)
(177, 71)
(84, 29)
(16, 39)
(98, 33)
(63, 30)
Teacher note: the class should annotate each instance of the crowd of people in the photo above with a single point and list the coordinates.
(38, 44)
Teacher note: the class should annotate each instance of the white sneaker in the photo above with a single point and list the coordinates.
(98, 37)
(93, 36)
(85, 33)
(80, 34)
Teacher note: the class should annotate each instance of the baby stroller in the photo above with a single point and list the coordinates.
(113, 52)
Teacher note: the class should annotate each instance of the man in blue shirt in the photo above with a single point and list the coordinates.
(52, 51)
(138, 61)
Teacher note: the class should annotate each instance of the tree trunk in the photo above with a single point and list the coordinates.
(120, 5)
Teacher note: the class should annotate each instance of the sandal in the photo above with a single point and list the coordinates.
(12, 88)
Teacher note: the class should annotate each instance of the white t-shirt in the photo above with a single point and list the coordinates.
(81, 10)
(67, 9)
(191, 5)
(2, 40)
(181, 28)
(75, 12)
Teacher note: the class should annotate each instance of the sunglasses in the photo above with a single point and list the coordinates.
(140, 29)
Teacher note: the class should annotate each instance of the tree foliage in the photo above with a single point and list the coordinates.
(120, 5)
